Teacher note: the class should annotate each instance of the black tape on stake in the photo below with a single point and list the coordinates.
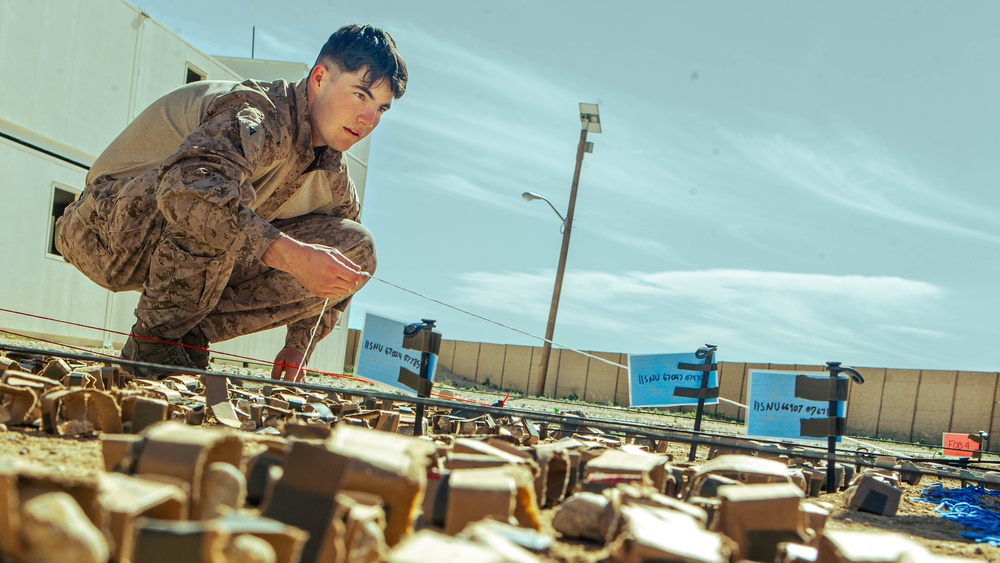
(697, 392)
(697, 367)
(821, 427)
(413, 381)
(815, 389)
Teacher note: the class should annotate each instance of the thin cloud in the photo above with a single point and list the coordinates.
(755, 314)
(855, 173)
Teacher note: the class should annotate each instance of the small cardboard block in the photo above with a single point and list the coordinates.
(417, 547)
(124, 499)
(32, 482)
(168, 541)
(876, 496)
(183, 382)
(217, 398)
(501, 537)
(646, 496)
(585, 515)
(665, 535)
(532, 436)
(36, 382)
(909, 472)
(555, 465)
(10, 513)
(745, 469)
(388, 421)
(321, 410)
(268, 415)
(306, 431)
(649, 467)
(389, 465)
(119, 451)
(759, 517)
(474, 494)
(359, 521)
(158, 390)
(494, 449)
(263, 470)
(68, 412)
(286, 540)
(147, 412)
(837, 546)
(18, 404)
(814, 516)
(56, 369)
(9, 364)
(305, 497)
(182, 452)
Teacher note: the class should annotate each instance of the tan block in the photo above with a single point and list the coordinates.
(621, 391)
(602, 378)
(571, 378)
(516, 368)
(667, 535)
(974, 394)
(934, 403)
(899, 395)
(466, 359)
(732, 378)
(446, 355)
(552, 375)
(474, 494)
(489, 368)
(864, 403)
(759, 517)
(124, 499)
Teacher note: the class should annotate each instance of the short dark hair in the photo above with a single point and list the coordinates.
(355, 46)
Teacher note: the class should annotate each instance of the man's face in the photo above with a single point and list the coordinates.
(342, 109)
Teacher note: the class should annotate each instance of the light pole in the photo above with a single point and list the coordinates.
(590, 121)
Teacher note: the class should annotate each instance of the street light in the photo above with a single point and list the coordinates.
(531, 196)
(590, 121)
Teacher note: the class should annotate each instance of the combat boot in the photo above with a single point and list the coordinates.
(144, 346)
(197, 347)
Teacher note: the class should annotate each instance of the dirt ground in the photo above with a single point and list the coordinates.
(81, 457)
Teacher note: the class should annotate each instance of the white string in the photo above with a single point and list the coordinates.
(598, 358)
(312, 336)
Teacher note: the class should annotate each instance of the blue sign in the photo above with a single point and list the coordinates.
(774, 410)
(656, 380)
(381, 353)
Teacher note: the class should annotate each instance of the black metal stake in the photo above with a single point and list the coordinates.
(833, 428)
(707, 352)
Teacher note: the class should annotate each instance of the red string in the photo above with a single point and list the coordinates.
(172, 343)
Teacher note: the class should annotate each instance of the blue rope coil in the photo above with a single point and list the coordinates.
(965, 506)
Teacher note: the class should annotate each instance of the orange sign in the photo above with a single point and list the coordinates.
(959, 445)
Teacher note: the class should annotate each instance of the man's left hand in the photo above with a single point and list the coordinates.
(287, 364)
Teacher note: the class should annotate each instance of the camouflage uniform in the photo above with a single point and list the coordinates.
(186, 200)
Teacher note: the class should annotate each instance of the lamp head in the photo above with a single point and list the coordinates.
(529, 196)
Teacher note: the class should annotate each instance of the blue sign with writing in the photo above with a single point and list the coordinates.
(776, 407)
(381, 353)
(657, 380)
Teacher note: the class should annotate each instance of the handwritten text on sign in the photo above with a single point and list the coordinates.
(774, 410)
(959, 445)
(655, 378)
(382, 353)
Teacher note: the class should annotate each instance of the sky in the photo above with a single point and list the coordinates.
(794, 182)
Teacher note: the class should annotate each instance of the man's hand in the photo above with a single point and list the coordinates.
(322, 270)
(286, 365)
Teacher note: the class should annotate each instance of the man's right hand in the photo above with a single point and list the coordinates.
(323, 270)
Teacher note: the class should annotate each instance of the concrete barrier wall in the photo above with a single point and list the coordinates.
(892, 404)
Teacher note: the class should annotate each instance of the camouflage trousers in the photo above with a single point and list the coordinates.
(118, 238)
